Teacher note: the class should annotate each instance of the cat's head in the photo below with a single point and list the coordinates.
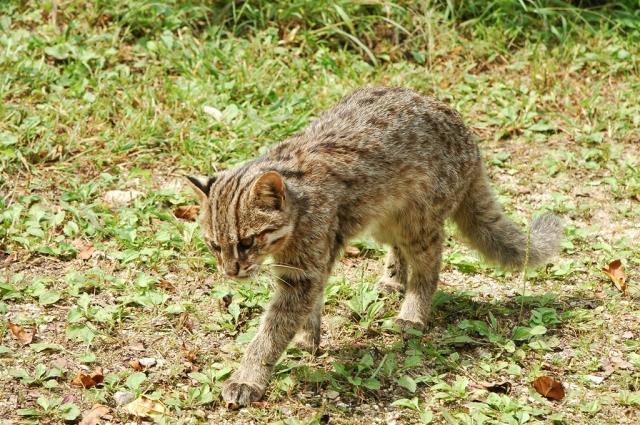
(244, 218)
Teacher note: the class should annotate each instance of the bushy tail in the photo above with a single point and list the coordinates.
(482, 222)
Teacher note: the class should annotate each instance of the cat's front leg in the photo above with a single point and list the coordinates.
(289, 308)
(308, 336)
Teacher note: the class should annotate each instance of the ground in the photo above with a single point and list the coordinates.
(106, 97)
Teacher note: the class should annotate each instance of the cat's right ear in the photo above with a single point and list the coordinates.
(201, 186)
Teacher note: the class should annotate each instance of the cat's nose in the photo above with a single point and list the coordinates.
(232, 268)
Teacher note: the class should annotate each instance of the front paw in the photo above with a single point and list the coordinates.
(406, 324)
(387, 285)
(239, 394)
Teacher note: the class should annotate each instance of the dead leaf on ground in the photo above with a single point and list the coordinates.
(25, 336)
(549, 387)
(135, 365)
(85, 249)
(166, 285)
(615, 271)
(145, 407)
(92, 417)
(185, 323)
(190, 356)
(89, 380)
(187, 212)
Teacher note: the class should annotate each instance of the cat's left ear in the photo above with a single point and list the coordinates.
(268, 191)
(201, 186)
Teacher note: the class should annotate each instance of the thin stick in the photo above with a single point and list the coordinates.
(524, 273)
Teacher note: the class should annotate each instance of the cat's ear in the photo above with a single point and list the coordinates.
(268, 191)
(201, 186)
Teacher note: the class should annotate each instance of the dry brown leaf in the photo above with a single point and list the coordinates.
(549, 387)
(615, 271)
(187, 212)
(135, 365)
(25, 336)
(145, 407)
(166, 285)
(92, 417)
(91, 380)
(184, 322)
(85, 249)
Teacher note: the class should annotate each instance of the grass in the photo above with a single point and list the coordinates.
(109, 96)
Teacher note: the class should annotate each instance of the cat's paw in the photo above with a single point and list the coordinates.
(307, 341)
(239, 394)
(387, 285)
(405, 324)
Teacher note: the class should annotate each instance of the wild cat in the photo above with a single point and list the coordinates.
(388, 160)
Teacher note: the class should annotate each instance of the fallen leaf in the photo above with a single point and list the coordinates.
(135, 365)
(85, 249)
(92, 417)
(549, 387)
(166, 285)
(185, 323)
(145, 407)
(190, 355)
(187, 212)
(88, 381)
(615, 271)
(120, 198)
(25, 336)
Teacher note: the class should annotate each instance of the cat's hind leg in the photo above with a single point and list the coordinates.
(422, 248)
(394, 272)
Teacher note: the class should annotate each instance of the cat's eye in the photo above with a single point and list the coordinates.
(246, 243)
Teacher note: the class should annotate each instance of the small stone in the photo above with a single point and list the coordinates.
(147, 361)
(595, 379)
(120, 198)
(332, 395)
(123, 397)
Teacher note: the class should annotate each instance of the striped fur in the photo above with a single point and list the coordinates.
(385, 159)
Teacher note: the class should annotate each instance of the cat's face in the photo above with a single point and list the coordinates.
(244, 219)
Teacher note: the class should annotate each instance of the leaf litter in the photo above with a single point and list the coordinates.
(549, 388)
(25, 336)
(615, 271)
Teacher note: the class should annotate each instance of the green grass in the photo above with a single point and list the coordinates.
(110, 96)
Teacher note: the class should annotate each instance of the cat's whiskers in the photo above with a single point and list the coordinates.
(270, 273)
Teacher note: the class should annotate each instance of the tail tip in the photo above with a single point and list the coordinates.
(546, 233)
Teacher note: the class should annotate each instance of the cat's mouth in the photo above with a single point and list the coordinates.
(246, 273)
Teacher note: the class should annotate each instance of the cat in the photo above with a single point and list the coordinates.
(386, 160)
